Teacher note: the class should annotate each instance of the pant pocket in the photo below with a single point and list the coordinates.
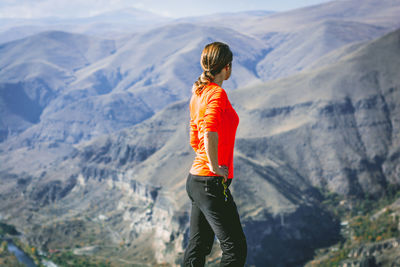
(213, 187)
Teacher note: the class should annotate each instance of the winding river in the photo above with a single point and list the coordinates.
(21, 256)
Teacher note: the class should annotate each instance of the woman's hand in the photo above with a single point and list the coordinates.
(220, 171)
(223, 171)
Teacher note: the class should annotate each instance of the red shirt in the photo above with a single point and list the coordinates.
(211, 111)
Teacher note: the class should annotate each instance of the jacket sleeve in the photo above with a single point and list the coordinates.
(216, 104)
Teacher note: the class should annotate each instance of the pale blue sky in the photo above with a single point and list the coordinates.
(171, 8)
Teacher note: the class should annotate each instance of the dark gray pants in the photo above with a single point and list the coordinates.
(212, 215)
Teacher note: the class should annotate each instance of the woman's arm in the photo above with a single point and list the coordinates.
(211, 147)
(194, 139)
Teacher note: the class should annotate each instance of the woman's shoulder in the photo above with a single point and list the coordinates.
(209, 92)
(215, 89)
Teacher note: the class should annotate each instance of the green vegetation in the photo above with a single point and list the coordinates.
(384, 227)
(67, 258)
(346, 208)
(63, 257)
(363, 221)
(8, 259)
(30, 251)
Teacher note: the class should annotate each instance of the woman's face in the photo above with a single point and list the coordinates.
(228, 70)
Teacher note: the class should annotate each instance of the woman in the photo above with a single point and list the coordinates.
(213, 124)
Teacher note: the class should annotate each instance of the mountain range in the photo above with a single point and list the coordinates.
(115, 23)
(94, 131)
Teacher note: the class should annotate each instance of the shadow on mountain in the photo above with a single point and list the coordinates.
(19, 103)
(290, 240)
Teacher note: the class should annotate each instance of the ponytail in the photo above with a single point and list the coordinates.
(204, 79)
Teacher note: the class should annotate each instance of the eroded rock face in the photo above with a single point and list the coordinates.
(337, 128)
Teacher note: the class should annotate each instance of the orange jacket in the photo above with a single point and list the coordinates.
(211, 111)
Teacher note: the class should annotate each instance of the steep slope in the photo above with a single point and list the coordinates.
(293, 51)
(337, 126)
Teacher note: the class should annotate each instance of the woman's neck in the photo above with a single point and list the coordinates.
(219, 79)
(218, 82)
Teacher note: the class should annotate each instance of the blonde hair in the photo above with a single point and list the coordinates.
(214, 58)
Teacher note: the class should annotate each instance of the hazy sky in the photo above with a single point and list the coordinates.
(171, 8)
